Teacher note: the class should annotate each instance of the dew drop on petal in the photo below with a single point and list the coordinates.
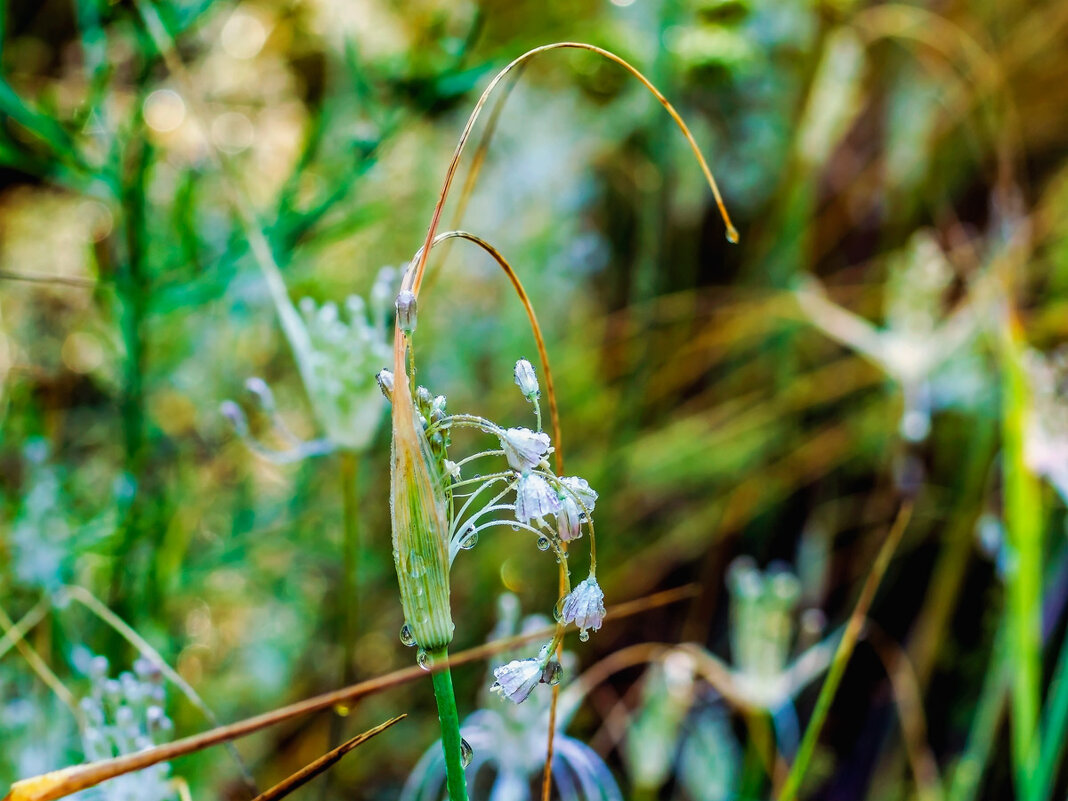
(466, 752)
(584, 635)
(406, 636)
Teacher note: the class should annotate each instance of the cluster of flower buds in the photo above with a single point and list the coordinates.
(122, 716)
(434, 505)
(337, 354)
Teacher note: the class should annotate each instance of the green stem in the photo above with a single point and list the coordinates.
(1055, 725)
(450, 724)
(1023, 519)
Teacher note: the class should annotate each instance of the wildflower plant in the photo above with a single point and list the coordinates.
(433, 505)
(337, 353)
(124, 715)
(917, 340)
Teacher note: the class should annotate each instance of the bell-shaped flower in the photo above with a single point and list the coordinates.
(534, 498)
(584, 606)
(516, 680)
(576, 501)
(524, 448)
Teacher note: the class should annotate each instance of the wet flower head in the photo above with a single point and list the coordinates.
(439, 510)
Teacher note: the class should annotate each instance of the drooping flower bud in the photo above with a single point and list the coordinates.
(584, 606)
(534, 498)
(406, 310)
(576, 504)
(516, 680)
(524, 448)
(526, 379)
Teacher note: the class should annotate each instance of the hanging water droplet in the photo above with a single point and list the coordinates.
(732, 235)
(584, 635)
(406, 637)
(543, 543)
(470, 540)
(551, 674)
(342, 710)
(466, 752)
(423, 659)
(558, 610)
(515, 527)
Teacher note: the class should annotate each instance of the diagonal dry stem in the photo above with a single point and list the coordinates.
(323, 763)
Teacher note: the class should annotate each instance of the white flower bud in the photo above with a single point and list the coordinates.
(526, 379)
(406, 310)
(534, 498)
(524, 448)
(584, 606)
(516, 680)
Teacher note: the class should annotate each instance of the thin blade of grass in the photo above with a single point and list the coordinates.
(792, 785)
(323, 763)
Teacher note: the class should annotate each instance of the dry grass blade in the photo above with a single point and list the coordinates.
(323, 763)
(60, 783)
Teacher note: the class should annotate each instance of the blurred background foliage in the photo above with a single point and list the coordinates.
(145, 143)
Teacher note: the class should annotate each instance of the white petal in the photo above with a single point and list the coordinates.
(524, 448)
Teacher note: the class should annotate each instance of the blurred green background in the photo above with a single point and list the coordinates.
(856, 144)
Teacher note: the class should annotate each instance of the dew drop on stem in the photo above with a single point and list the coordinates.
(423, 659)
(466, 752)
(406, 637)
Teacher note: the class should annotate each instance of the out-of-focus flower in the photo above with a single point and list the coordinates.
(1046, 444)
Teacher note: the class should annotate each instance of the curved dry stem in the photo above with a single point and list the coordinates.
(539, 340)
(732, 232)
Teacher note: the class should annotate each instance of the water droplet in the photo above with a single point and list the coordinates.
(732, 235)
(469, 541)
(406, 636)
(416, 566)
(584, 635)
(515, 527)
(466, 752)
(543, 543)
(342, 710)
(558, 610)
(553, 672)
(423, 659)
